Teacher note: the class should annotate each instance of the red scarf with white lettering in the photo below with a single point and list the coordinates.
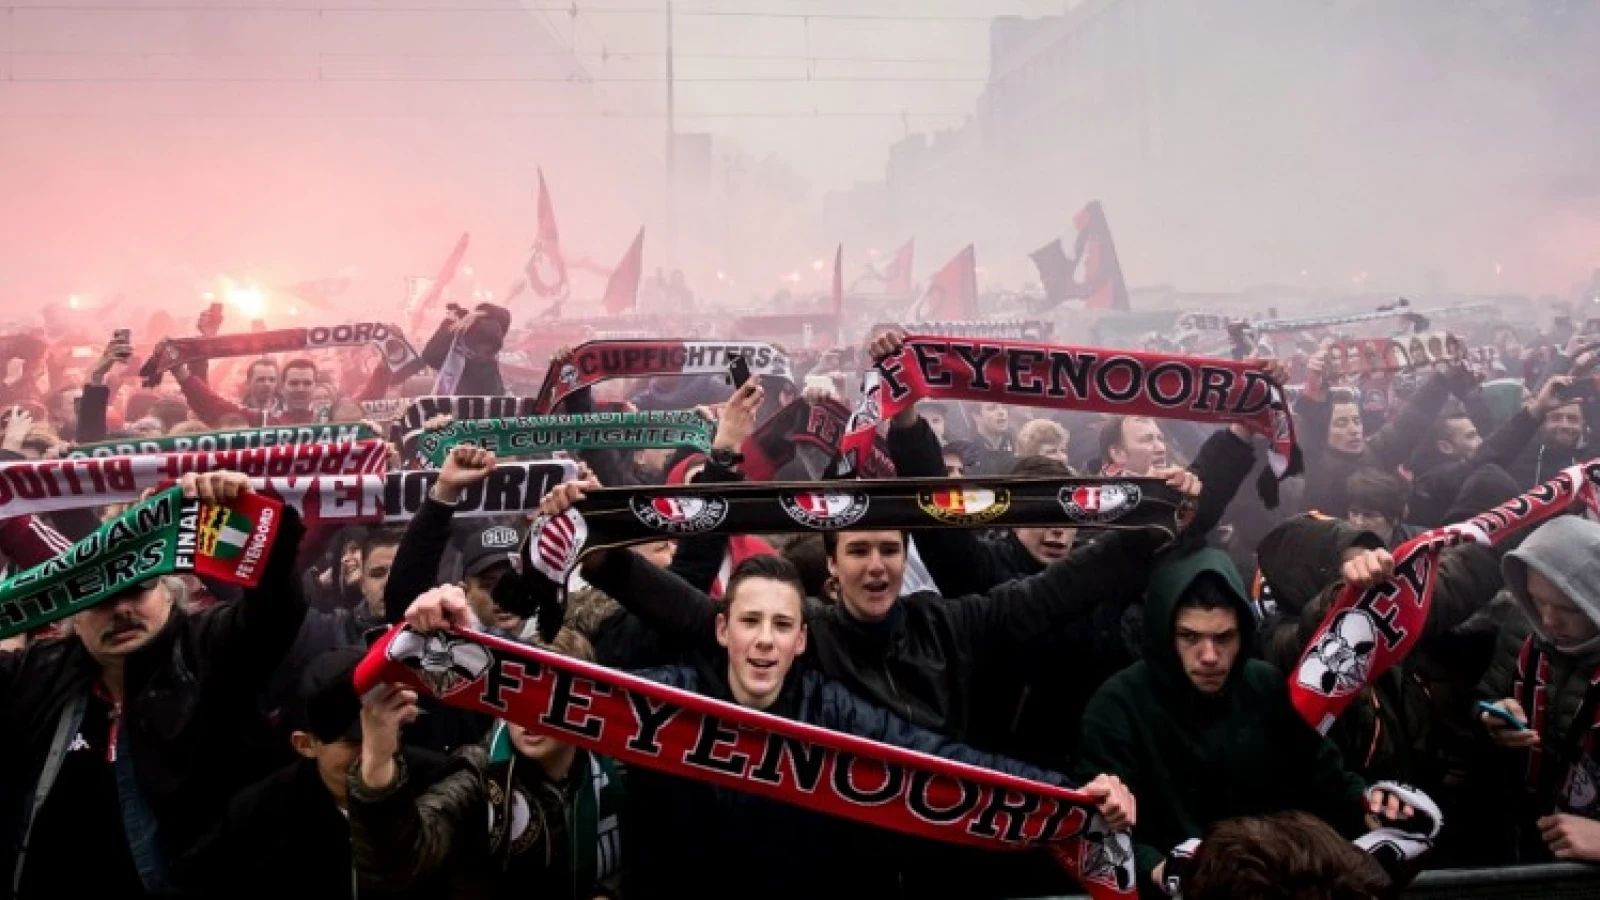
(1367, 631)
(1120, 382)
(643, 723)
(821, 426)
(598, 361)
(48, 485)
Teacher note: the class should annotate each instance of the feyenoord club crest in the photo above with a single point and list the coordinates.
(1338, 663)
(554, 544)
(965, 507)
(825, 510)
(569, 375)
(1098, 504)
(680, 515)
(447, 663)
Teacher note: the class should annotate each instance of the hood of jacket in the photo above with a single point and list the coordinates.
(1172, 579)
(1302, 556)
(1566, 551)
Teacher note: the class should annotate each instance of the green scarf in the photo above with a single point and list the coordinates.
(527, 435)
(165, 534)
(234, 439)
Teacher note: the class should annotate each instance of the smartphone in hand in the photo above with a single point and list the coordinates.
(1502, 715)
(739, 371)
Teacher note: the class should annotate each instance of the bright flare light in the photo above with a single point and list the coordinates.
(72, 301)
(816, 265)
(248, 299)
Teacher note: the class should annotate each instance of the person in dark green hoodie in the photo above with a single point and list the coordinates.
(1202, 731)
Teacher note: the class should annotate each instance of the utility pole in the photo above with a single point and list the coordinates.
(672, 150)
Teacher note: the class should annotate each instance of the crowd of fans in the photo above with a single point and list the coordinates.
(188, 738)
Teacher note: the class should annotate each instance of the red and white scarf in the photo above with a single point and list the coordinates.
(647, 724)
(1367, 631)
(1120, 382)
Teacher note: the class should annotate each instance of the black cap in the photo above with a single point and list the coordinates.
(485, 547)
(327, 705)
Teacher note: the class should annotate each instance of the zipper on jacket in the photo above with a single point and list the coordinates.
(895, 691)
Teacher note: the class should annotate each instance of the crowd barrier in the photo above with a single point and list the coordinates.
(1555, 881)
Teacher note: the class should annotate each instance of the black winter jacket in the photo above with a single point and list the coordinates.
(690, 828)
(195, 727)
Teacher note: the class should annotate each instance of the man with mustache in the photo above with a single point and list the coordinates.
(126, 738)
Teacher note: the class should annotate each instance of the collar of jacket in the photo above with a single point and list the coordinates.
(875, 637)
(1017, 557)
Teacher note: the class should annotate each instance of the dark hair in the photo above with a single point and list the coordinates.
(1289, 855)
(379, 537)
(1376, 491)
(1111, 435)
(830, 541)
(1441, 425)
(768, 566)
(1042, 467)
(810, 561)
(300, 362)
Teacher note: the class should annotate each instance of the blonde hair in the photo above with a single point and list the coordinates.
(189, 426)
(1038, 433)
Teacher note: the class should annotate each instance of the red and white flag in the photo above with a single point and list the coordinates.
(546, 269)
(896, 276)
(622, 291)
(953, 291)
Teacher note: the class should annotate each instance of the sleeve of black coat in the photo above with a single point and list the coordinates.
(682, 615)
(1107, 746)
(699, 557)
(416, 561)
(1328, 790)
(1467, 579)
(1312, 420)
(251, 636)
(405, 832)
(92, 413)
(1394, 443)
(997, 625)
(843, 710)
(438, 346)
(960, 562)
(1222, 465)
(1507, 442)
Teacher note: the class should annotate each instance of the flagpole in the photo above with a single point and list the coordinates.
(672, 148)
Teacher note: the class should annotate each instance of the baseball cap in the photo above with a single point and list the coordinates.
(483, 548)
(327, 705)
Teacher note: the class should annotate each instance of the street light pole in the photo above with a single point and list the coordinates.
(672, 149)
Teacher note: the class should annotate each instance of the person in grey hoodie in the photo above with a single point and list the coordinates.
(1546, 679)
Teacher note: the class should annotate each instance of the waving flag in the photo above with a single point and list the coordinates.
(622, 291)
(546, 270)
(1100, 284)
(953, 291)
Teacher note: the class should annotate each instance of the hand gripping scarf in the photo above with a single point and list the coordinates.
(599, 361)
(691, 736)
(165, 534)
(1196, 388)
(819, 426)
(1366, 632)
(236, 439)
(38, 486)
(590, 431)
(617, 517)
(396, 353)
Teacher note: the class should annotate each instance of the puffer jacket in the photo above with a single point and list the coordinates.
(688, 828)
(493, 826)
